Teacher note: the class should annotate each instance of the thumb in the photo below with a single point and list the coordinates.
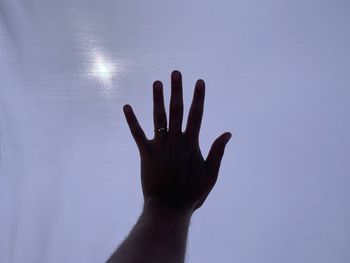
(215, 154)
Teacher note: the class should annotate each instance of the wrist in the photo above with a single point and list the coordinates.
(162, 207)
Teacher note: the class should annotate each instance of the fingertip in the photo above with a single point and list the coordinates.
(200, 84)
(176, 76)
(228, 136)
(126, 108)
(157, 85)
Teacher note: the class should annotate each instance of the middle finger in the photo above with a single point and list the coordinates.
(176, 103)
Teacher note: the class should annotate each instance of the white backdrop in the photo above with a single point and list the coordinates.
(277, 76)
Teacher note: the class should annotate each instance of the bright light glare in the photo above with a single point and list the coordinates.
(102, 69)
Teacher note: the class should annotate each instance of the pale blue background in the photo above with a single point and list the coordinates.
(277, 76)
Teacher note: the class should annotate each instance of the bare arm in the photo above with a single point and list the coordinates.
(175, 178)
(159, 235)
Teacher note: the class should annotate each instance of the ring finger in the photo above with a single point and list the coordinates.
(159, 114)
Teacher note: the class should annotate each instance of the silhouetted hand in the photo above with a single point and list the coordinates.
(173, 170)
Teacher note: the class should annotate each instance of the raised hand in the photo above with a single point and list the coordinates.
(173, 170)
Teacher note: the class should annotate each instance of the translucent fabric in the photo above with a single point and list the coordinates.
(277, 77)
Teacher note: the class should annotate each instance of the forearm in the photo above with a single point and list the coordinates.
(160, 235)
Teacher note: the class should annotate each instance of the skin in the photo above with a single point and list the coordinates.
(175, 177)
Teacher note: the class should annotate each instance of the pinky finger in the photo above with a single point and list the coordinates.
(135, 128)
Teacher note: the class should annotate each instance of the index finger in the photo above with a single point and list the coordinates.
(196, 111)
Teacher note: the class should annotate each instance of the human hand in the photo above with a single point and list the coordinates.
(173, 170)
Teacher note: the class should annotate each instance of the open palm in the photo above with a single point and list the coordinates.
(173, 170)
